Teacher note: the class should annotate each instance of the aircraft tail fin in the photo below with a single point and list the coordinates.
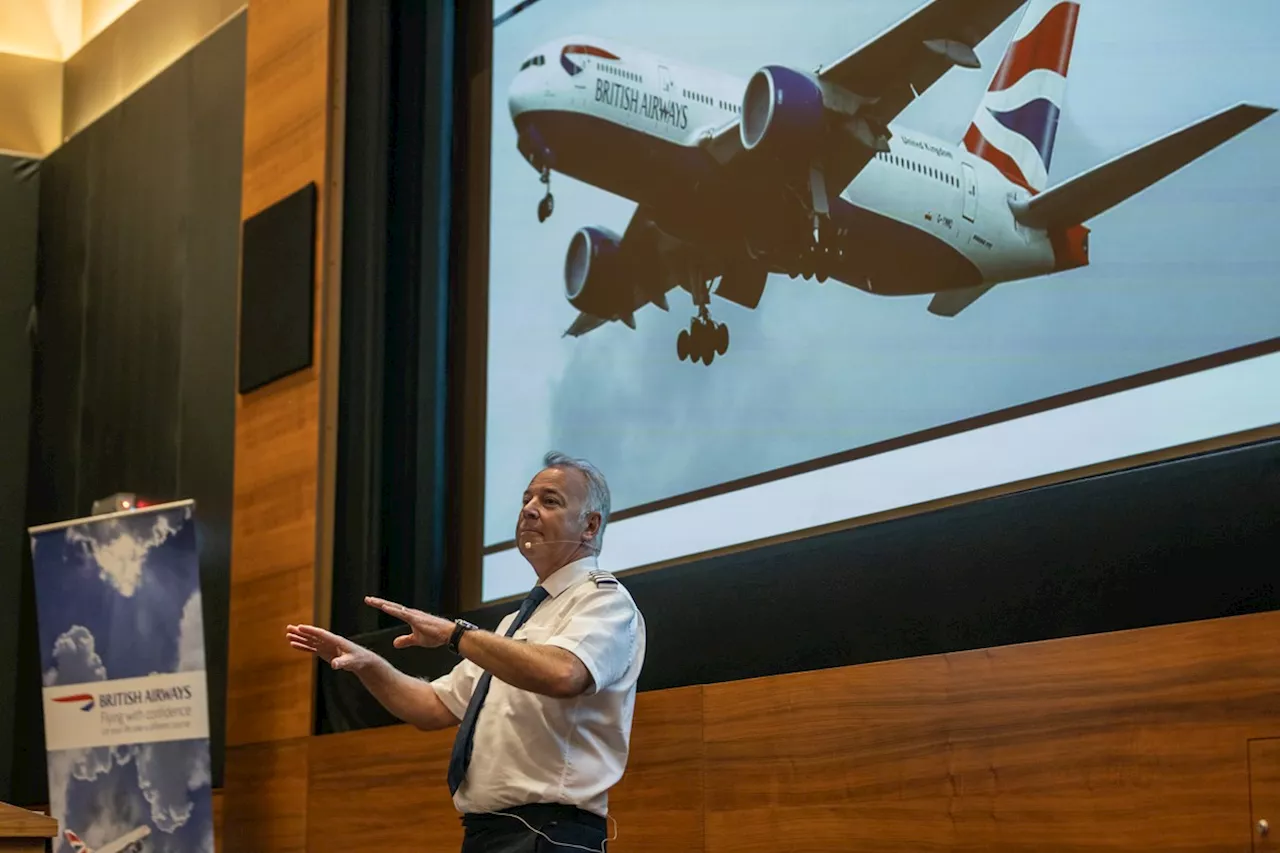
(1016, 124)
(1103, 187)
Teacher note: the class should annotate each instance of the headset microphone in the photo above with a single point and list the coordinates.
(528, 544)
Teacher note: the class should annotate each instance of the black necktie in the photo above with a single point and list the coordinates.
(466, 736)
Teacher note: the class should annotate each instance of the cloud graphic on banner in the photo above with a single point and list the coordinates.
(111, 813)
(74, 659)
(119, 551)
(191, 636)
(59, 763)
(167, 773)
(91, 762)
(86, 765)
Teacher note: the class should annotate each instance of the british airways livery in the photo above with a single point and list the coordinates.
(806, 172)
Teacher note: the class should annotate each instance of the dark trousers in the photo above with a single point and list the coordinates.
(503, 833)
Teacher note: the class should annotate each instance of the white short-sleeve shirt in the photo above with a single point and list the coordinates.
(531, 748)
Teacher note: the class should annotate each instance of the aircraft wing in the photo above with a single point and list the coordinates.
(916, 51)
(121, 844)
(888, 72)
(661, 264)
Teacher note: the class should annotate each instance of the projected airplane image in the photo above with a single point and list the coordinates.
(805, 173)
(130, 842)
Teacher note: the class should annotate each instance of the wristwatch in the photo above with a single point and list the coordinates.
(460, 627)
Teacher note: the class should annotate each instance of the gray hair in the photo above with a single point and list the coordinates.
(597, 488)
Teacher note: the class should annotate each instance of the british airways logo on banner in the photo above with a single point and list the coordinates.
(86, 698)
(573, 68)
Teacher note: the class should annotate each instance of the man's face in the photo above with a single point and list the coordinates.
(551, 518)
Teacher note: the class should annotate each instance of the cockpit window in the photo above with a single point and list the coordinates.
(532, 61)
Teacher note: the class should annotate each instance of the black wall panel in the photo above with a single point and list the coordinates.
(19, 197)
(134, 383)
(1180, 541)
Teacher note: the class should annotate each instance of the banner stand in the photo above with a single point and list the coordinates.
(125, 695)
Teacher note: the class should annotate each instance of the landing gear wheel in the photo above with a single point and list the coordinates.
(721, 338)
(703, 340)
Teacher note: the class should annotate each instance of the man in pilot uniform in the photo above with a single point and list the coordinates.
(544, 703)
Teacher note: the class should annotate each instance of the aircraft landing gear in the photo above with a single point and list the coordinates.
(703, 340)
(548, 203)
(823, 254)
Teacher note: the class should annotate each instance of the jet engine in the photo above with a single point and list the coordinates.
(782, 112)
(593, 275)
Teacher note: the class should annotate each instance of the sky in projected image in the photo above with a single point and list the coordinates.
(1184, 269)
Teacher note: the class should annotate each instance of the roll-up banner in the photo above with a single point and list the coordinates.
(126, 711)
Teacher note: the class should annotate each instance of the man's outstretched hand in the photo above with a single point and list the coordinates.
(338, 652)
(427, 631)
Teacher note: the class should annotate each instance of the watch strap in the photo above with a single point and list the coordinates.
(460, 627)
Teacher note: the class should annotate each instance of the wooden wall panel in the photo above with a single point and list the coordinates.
(658, 804)
(278, 427)
(292, 91)
(219, 831)
(1264, 794)
(1134, 740)
(286, 99)
(1099, 744)
(264, 803)
(382, 789)
(837, 759)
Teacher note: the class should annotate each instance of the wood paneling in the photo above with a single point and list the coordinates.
(382, 789)
(658, 804)
(1264, 793)
(1134, 740)
(289, 87)
(219, 832)
(287, 97)
(264, 803)
(278, 461)
(1115, 742)
(836, 759)
(24, 823)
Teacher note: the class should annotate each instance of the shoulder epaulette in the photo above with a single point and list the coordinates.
(602, 579)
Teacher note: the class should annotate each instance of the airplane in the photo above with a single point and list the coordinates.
(130, 842)
(806, 173)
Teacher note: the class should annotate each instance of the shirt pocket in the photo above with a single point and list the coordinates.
(534, 634)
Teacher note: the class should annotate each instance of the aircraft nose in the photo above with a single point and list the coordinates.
(521, 93)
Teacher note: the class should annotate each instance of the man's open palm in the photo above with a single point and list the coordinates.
(338, 652)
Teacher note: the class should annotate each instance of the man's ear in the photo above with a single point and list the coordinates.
(592, 528)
